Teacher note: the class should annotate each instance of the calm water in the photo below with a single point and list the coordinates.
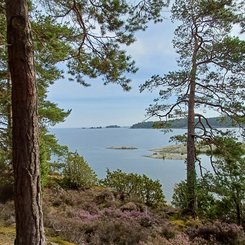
(93, 144)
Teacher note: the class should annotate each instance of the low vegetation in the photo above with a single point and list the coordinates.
(135, 187)
(99, 216)
(77, 172)
(128, 208)
(123, 208)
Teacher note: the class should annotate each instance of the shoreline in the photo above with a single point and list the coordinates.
(173, 152)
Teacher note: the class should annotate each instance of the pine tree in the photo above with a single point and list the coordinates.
(96, 33)
(211, 75)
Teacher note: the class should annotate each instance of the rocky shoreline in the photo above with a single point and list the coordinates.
(173, 152)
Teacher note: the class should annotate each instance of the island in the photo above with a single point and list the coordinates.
(174, 152)
(113, 126)
(122, 148)
(215, 122)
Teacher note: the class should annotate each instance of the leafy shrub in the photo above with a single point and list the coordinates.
(220, 195)
(205, 200)
(136, 187)
(48, 149)
(77, 172)
(44, 166)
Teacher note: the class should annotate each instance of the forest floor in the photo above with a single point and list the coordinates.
(7, 237)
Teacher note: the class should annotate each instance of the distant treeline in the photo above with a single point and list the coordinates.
(216, 122)
(113, 126)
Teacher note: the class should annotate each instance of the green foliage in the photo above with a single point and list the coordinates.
(215, 122)
(210, 76)
(77, 172)
(49, 48)
(179, 138)
(160, 124)
(135, 186)
(96, 34)
(44, 165)
(228, 182)
(88, 38)
(204, 198)
(148, 124)
(221, 194)
(51, 114)
(203, 40)
(48, 148)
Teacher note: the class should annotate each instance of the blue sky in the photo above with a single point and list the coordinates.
(100, 105)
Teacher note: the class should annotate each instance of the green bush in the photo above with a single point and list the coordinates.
(50, 149)
(77, 172)
(205, 199)
(44, 165)
(135, 186)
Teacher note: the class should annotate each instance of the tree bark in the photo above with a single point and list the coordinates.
(28, 210)
(191, 153)
(9, 120)
(238, 212)
(191, 150)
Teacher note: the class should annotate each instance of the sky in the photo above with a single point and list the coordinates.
(100, 105)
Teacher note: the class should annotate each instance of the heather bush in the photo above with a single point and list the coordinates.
(155, 241)
(135, 187)
(76, 216)
(106, 198)
(110, 226)
(180, 239)
(77, 172)
(70, 229)
(168, 231)
(117, 232)
(217, 233)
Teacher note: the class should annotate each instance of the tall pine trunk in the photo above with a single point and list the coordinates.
(28, 210)
(238, 212)
(191, 150)
(191, 153)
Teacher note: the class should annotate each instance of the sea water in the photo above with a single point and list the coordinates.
(94, 144)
